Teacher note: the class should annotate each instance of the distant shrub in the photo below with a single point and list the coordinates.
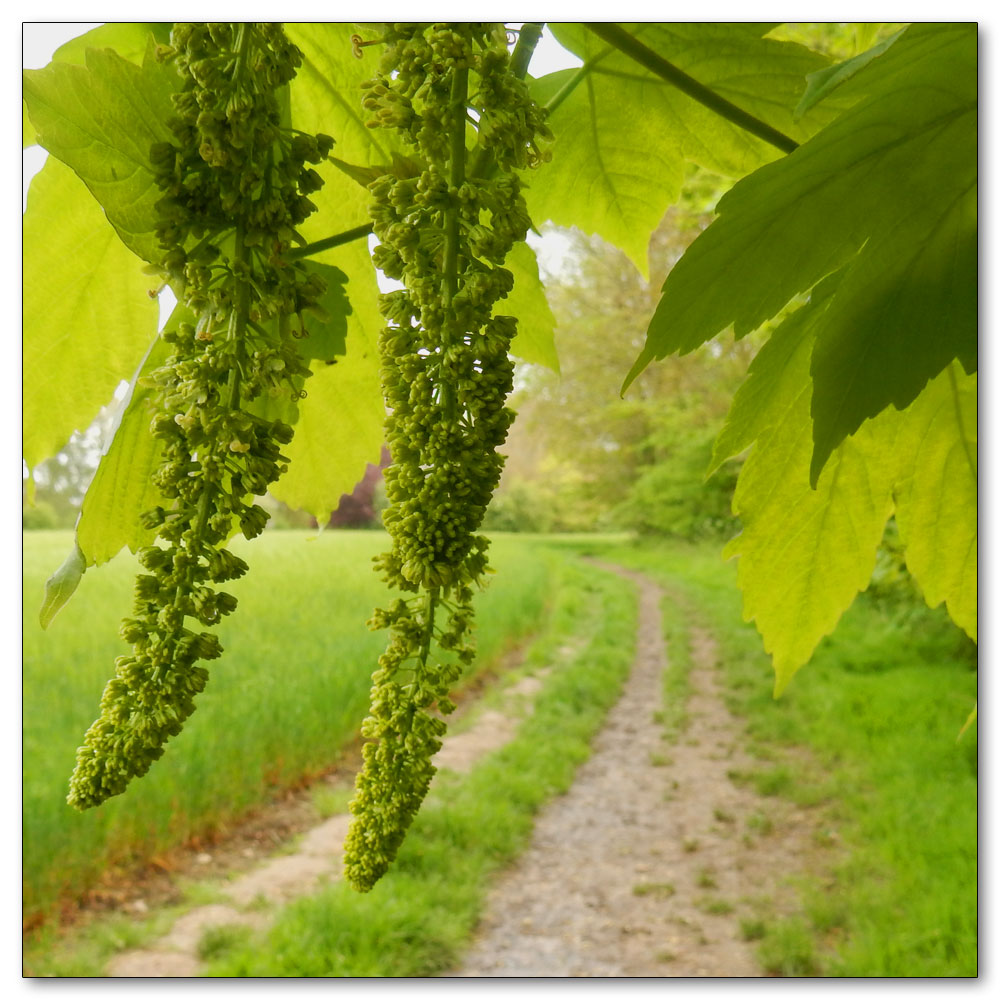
(673, 497)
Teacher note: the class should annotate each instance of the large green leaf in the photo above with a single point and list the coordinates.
(87, 316)
(339, 430)
(825, 82)
(122, 487)
(535, 340)
(326, 97)
(887, 188)
(624, 136)
(774, 379)
(130, 39)
(101, 119)
(936, 495)
(805, 553)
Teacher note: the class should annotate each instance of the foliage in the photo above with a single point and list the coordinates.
(592, 458)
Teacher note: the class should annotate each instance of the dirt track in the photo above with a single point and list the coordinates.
(642, 868)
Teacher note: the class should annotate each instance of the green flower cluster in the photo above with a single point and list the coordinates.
(235, 186)
(446, 374)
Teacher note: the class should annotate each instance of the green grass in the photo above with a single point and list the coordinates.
(418, 918)
(879, 708)
(289, 692)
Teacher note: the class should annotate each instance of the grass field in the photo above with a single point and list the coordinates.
(866, 732)
(289, 692)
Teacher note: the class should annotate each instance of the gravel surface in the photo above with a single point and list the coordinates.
(640, 869)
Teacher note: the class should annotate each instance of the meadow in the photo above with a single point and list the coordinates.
(297, 641)
(867, 733)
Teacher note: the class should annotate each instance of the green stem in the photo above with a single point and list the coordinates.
(528, 37)
(348, 236)
(645, 56)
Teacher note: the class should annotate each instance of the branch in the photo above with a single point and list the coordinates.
(645, 56)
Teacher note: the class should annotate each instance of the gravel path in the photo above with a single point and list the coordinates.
(640, 870)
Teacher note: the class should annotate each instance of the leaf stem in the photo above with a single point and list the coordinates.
(575, 80)
(348, 236)
(528, 37)
(645, 56)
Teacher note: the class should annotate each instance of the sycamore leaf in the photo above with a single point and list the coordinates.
(60, 586)
(342, 414)
(28, 137)
(130, 39)
(122, 487)
(805, 553)
(895, 324)
(774, 378)
(326, 97)
(87, 315)
(326, 326)
(887, 188)
(101, 120)
(535, 340)
(937, 495)
(624, 136)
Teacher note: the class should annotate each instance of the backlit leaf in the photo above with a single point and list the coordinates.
(625, 137)
(805, 553)
(87, 316)
(339, 430)
(774, 379)
(326, 97)
(535, 340)
(101, 119)
(122, 487)
(130, 39)
(937, 495)
(824, 82)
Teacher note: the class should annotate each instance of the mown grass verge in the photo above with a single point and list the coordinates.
(288, 694)
(879, 708)
(419, 917)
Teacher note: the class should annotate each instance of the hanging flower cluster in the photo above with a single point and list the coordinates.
(446, 373)
(235, 186)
